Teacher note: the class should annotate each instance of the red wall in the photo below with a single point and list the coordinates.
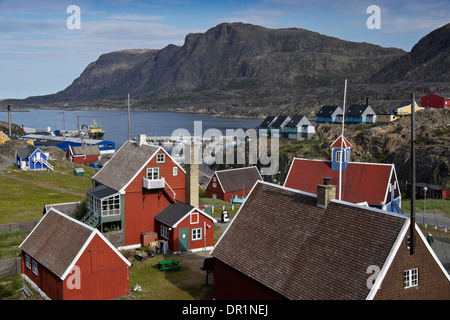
(103, 276)
(434, 101)
(186, 223)
(230, 284)
(81, 159)
(141, 205)
(210, 191)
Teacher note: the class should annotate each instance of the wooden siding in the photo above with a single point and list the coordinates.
(103, 276)
(230, 284)
(433, 285)
(142, 205)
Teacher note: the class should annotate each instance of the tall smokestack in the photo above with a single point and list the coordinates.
(191, 158)
(9, 120)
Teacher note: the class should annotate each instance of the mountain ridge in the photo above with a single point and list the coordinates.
(239, 68)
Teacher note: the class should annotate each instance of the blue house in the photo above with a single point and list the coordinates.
(329, 114)
(360, 114)
(32, 158)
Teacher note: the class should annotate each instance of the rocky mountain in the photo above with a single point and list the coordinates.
(428, 61)
(232, 64)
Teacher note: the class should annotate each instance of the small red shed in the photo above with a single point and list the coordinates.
(83, 154)
(68, 260)
(439, 101)
(226, 183)
(185, 227)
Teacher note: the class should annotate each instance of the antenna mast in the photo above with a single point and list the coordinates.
(413, 172)
(128, 116)
(342, 142)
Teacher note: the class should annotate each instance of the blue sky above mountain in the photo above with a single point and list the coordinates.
(40, 55)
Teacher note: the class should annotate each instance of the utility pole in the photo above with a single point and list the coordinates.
(128, 116)
(413, 184)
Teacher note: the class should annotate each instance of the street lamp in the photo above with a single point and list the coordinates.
(424, 202)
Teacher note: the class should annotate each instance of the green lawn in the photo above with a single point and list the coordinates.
(432, 205)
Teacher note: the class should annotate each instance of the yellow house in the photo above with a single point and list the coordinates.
(3, 138)
(404, 108)
(386, 118)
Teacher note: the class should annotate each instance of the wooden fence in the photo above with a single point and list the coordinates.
(24, 226)
(10, 266)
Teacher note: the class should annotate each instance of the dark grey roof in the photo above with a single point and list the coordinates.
(238, 179)
(101, 191)
(327, 111)
(86, 150)
(171, 214)
(267, 121)
(279, 121)
(356, 110)
(68, 208)
(295, 120)
(26, 152)
(283, 240)
(124, 165)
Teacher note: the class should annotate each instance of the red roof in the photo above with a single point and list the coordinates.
(338, 141)
(361, 181)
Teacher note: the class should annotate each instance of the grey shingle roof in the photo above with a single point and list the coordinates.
(238, 179)
(281, 239)
(56, 241)
(26, 152)
(125, 163)
(171, 214)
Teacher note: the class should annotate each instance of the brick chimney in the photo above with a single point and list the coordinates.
(191, 159)
(142, 139)
(325, 193)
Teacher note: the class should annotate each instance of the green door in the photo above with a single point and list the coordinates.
(184, 239)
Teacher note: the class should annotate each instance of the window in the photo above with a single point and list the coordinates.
(214, 185)
(28, 261)
(175, 171)
(153, 173)
(160, 158)
(214, 179)
(35, 267)
(164, 232)
(196, 234)
(338, 156)
(214, 196)
(194, 217)
(411, 278)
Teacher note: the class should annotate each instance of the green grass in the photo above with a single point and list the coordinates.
(9, 285)
(9, 243)
(438, 206)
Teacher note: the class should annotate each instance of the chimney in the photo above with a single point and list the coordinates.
(367, 101)
(325, 193)
(142, 139)
(191, 159)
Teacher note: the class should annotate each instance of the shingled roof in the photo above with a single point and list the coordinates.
(237, 179)
(175, 212)
(283, 240)
(58, 240)
(125, 164)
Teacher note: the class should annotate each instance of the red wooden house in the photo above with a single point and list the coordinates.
(132, 188)
(68, 260)
(373, 183)
(288, 244)
(185, 227)
(83, 154)
(138, 183)
(226, 183)
(439, 101)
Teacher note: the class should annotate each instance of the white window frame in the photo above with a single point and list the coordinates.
(164, 232)
(175, 171)
(196, 234)
(196, 216)
(151, 173)
(214, 185)
(411, 278)
(160, 158)
(214, 196)
(27, 261)
(34, 266)
(338, 156)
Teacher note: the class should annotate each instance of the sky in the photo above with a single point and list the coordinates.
(45, 45)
